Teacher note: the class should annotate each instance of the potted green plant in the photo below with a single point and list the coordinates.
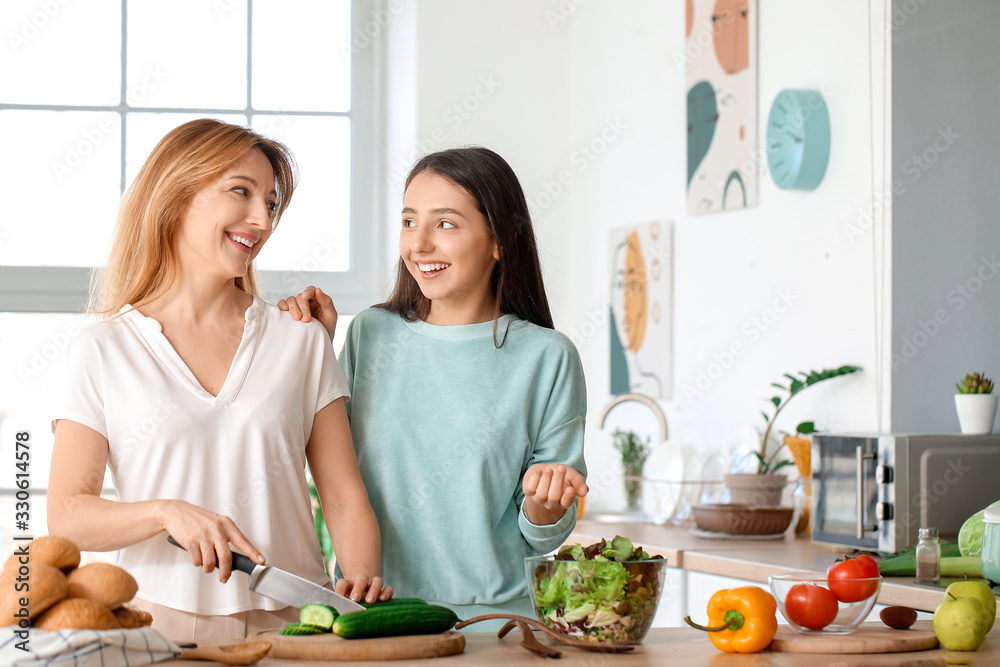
(634, 452)
(764, 487)
(976, 404)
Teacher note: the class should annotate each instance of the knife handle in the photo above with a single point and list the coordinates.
(240, 562)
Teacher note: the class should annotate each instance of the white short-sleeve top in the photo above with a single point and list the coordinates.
(241, 453)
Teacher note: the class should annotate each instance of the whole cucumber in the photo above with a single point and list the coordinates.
(392, 602)
(392, 620)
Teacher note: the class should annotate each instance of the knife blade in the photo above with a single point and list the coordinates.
(283, 586)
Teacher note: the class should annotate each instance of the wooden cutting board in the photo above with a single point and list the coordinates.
(874, 639)
(334, 648)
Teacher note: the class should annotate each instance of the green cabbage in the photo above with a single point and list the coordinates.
(970, 536)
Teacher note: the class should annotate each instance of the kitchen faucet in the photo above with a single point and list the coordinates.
(638, 398)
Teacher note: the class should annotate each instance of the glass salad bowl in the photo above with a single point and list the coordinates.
(597, 600)
(814, 604)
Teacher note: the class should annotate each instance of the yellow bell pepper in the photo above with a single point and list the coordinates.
(741, 620)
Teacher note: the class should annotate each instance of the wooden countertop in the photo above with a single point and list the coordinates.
(676, 646)
(743, 559)
(753, 560)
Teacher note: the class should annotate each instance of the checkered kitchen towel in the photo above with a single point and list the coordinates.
(86, 648)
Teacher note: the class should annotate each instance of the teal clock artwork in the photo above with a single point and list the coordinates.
(798, 139)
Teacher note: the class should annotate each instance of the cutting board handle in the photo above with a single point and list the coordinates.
(240, 562)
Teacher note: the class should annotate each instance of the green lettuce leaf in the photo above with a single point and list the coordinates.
(620, 548)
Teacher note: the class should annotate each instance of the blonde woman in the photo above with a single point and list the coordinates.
(205, 402)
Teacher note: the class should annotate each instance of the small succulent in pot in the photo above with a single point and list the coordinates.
(975, 383)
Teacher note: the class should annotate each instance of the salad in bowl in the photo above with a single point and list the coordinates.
(604, 593)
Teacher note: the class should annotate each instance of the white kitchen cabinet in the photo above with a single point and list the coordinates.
(701, 587)
(670, 613)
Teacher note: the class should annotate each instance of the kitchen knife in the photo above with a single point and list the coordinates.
(286, 587)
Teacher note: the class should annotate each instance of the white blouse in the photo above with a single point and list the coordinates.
(241, 453)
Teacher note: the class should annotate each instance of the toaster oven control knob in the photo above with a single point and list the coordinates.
(883, 474)
(883, 512)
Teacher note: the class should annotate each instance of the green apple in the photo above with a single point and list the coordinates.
(979, 590)
(959, 624)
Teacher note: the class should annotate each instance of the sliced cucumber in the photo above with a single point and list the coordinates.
(302, 629)
(318, 614)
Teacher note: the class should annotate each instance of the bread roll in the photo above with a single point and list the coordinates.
(132, 617)
(77, 614)
(102, 582)
(43, 587)
(53, 550)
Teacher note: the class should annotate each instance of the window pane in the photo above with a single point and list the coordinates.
(60, 52)
(301, 55)
(314, 232)
(187, 54)
(32, 358)
(144, 130)
(62, 172)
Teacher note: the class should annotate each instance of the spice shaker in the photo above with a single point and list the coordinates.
(928, 556)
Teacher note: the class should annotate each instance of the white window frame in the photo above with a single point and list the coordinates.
(61, 289)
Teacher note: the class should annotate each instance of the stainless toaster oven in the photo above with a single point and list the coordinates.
(874, 492)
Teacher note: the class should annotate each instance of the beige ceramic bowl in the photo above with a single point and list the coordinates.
(733, 519)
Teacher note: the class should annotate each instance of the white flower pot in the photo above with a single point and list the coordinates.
(976, 412)
(755, 489)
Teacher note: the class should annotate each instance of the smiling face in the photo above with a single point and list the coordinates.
(226, 224)
(447, 246)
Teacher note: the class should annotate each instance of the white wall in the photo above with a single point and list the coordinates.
(570, 71)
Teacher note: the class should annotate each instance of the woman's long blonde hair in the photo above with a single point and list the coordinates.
(142, 263)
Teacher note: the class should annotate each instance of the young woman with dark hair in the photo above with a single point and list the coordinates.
(467, 408)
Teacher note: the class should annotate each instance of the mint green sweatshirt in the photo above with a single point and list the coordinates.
(445, 426)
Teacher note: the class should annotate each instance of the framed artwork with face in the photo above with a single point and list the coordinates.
(720, 61)
(641, 340)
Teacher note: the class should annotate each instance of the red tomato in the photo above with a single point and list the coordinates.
(810, 606)
(841, 578)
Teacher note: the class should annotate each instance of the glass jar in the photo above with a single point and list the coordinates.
(802, 502)
(990, 556)
(928, 556)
